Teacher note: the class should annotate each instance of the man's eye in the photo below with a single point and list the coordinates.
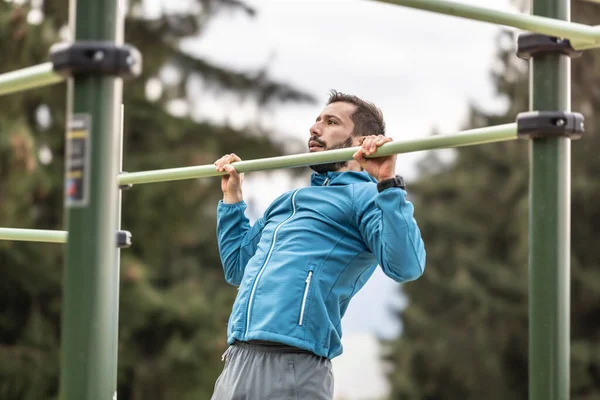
(331, 122)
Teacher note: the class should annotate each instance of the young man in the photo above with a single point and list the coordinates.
(313, 249)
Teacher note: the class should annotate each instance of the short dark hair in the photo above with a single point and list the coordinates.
(368, 119)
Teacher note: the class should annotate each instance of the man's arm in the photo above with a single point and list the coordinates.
(388, 227)
(237, 240)
(386, 219)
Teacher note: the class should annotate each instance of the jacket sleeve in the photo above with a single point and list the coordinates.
(237, 240)
(390, 231)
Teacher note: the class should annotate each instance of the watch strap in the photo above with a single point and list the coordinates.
(396, 181)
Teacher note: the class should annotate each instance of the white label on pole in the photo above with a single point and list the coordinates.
(77, 180)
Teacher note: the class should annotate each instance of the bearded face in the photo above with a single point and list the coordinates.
(333, 129)
(316, 144)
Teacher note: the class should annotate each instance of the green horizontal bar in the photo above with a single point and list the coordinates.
(29, 78)
(33, 235)
(580, 35)
(471, 137)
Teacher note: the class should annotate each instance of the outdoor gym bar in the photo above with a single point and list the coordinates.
(29, 78)
(581, 36)
(33, 235)
(470, 137)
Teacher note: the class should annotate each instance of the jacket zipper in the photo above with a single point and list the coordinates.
(262, 269)
(306, 287)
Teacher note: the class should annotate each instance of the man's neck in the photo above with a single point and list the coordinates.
(351, 166)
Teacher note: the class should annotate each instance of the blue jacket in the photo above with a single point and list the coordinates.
(300, 264)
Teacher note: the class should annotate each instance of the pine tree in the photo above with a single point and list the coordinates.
(465, 327)
(174, 303)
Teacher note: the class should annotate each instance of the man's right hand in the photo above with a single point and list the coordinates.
(231, 184)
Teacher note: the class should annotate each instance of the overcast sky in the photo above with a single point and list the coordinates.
(421, 68)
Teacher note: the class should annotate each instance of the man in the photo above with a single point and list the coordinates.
(298, 266)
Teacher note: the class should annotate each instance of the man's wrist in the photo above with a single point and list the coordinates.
(385, 177)
(232, 198)
(394, 182)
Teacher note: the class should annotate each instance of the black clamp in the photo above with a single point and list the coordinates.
(532, 44)
(96, 58)
(544, 124)
(126, 186)
(123, 239)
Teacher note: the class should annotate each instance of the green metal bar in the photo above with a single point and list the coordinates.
(492, 134)
(549, 221)
(40, 235)
(88, 364)
(33, 235)
(28, 78)
(580, 35)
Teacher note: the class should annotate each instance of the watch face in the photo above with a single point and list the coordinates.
(400, 181)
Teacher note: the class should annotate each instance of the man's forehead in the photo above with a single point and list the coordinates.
(340, 109)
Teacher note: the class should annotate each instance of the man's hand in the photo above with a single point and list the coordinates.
(231, 184)
(380, 168)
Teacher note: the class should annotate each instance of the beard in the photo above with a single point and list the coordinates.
(332, 167)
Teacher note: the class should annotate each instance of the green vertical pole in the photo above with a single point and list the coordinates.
(116, 274)
(88, 364)
(549, 264)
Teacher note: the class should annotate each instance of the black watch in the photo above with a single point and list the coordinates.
(396, 181)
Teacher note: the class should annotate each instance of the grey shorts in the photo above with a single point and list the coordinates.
(267, 372)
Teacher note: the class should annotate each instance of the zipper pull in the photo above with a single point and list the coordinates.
(309, 277)
(326, 182)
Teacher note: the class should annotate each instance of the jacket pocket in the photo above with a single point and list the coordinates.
(305, 296)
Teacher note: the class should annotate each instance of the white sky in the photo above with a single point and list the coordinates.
(421, 68)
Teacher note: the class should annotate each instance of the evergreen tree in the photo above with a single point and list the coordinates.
(465, 329)
(174, 303)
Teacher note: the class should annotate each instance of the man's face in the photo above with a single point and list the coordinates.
(332, 130)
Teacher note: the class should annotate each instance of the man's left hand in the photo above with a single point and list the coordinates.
(380, 168)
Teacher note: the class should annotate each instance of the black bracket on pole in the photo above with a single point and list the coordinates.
(544, 124)
(123, 239)
(532, 44)
(96, 58)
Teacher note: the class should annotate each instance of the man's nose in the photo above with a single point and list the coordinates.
(315, 130)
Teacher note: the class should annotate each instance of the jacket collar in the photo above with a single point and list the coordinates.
(340, 178)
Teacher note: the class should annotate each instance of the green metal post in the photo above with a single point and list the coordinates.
(549, 264)
(88, 364)
(117, 274)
